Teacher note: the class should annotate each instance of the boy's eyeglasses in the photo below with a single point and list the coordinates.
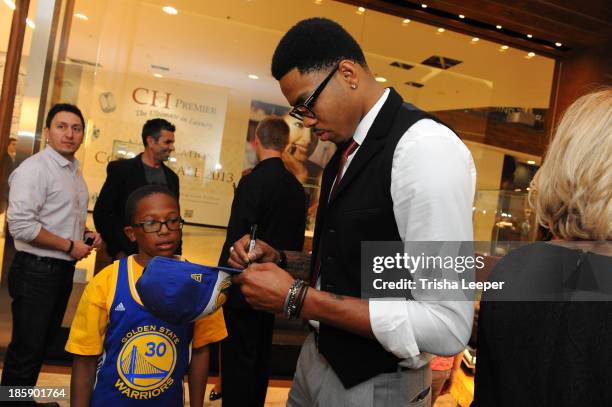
(154, 226)
(304, 110)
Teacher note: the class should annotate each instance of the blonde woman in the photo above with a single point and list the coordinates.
(554, 346)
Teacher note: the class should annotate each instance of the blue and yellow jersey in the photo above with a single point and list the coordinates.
(142, 358)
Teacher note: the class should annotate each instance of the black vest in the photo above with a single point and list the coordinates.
(361, 209)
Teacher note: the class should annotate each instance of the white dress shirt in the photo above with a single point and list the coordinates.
(47, 191)
(433, 181)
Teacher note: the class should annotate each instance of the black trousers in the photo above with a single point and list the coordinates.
(245, 357)
(40, 289)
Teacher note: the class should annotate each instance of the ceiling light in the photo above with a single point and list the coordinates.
(499, 27)
(381, 79)
(361, 10)
(558, 44)
(318, 1)
(81, 16)
(424, 5)
(504, 47)
(461, 16)
(158, 75)
(475, 39)
(405, 21)
(531, 162)
(170, 10)
(30, 23)
(531, 55)
(10, 4)
(529, 36)
(251, 76)
(441, 30)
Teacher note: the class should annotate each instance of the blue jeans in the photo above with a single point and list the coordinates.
(40, 289)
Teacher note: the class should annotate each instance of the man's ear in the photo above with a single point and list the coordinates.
(129, 232)
(150, 140)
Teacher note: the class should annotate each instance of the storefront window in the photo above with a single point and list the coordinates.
(205, 66)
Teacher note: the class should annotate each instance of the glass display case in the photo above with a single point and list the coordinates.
(501, 217)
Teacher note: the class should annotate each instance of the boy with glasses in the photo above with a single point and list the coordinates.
(124, 354)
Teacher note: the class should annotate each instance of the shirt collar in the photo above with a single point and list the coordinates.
(60, 159)
(368, 119)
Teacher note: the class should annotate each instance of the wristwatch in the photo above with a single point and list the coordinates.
(282, 259)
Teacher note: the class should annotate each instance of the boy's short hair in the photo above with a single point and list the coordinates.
(273, 133)
(141, 193)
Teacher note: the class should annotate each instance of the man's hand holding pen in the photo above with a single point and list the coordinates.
(263, 284)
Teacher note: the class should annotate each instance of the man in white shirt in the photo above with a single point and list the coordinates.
(398, 175)
(46, 217)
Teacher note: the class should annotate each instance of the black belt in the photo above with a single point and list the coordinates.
(47, 260)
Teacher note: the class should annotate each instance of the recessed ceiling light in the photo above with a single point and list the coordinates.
(381, 79)
(30, 23)
(424, 5)
(361, 10)
(531, 162)
(529, 36)
(558, 44)
(81, 16)
(504, 47)
(441, 30)
(475, 39)
(499, 27)
(158, 75)
(405, 21)
(461, 16)
(170, 10)
(251, 76)
(10, 4)
(531, 55)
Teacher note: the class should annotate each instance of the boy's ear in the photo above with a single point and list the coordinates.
(129, 232)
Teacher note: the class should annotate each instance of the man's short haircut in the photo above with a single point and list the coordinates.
(138, 195)
(63, 107)
(273, 133)
(153, 128)
(313, 45)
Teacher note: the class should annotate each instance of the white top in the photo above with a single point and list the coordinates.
(47, 191)
(433, 182)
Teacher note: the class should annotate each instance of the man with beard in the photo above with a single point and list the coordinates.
(126, 176)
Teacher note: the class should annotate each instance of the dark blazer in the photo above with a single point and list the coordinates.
(271, 197)
(122, 178)
(546, 353)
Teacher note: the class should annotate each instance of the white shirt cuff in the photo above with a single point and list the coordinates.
(392, 328)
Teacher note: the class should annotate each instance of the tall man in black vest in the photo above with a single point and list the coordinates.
(274, 200)
(398, 175)
(125, 176)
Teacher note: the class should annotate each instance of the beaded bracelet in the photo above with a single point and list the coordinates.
(301, 298)
(290, 306)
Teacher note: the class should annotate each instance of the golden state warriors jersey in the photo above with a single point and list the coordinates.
(144, 358)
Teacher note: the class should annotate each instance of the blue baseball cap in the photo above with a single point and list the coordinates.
(180, 292)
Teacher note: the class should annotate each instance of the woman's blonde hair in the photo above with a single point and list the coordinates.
(571, 193)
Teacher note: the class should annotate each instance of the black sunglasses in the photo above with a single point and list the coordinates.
(304, 110)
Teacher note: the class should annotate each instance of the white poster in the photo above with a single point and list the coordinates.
(126, 102)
